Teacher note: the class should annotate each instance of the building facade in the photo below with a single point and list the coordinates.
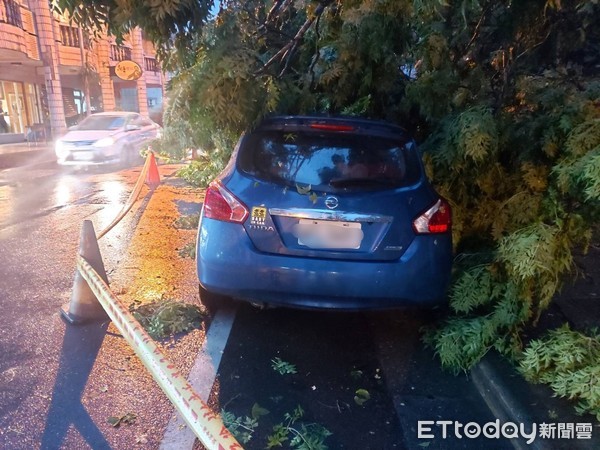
(53, 73)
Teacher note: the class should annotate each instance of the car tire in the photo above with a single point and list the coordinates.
(213, 302)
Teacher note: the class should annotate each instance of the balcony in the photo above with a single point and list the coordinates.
(18, 41)
(69, 50)
(119, 53)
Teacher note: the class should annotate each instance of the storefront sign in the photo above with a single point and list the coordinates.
(128, 70)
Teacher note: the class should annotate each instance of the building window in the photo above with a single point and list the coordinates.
(118, 53)
(151, 65)
(10, 12)
(69, 36)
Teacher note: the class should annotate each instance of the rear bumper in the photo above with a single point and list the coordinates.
(228, 264)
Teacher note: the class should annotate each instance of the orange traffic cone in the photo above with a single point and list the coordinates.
(84, 306)
(152, 178)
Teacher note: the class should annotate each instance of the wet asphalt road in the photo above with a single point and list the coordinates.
(44, 365)
(335, 355)
(55, 380)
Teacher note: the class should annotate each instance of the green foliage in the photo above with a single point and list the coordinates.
(569, 362)
(188, 250)
(514, 148)
(295, 434)
(472, 289)
(248, 66)
(361, 397)
(200, 173)
(242, 428)
(511, 134)
(283, 367)
(167, 317)
(503, 96)
(187, 222)
(579, 172)
(305, 437)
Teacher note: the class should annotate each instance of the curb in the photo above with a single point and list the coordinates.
(512, 399)
(506, 406)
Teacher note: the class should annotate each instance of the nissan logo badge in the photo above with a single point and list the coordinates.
(331, 202)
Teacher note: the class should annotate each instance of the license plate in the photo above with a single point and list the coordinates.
(83, 156)
(327, 234)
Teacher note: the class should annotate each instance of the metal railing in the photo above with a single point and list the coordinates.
(119, 53)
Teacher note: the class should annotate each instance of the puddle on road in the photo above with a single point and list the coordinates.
(30, 195)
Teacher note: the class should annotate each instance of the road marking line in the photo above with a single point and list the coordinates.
(178, 435)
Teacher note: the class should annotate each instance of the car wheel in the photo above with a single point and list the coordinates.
(213, 302)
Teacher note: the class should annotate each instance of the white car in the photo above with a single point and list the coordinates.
(106, 138)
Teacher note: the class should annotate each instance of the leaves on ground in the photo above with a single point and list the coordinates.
(356, 374)
(242, 428)
(128, 419)
(362, 396)
(187, 222)
(258, 411)
(188, 250)
(167, 317)
(282, 367)
(303, 436)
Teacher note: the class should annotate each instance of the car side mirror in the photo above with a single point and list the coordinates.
(132, 128)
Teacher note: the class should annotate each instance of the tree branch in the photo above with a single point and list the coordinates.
(478, 26)
(288, 49)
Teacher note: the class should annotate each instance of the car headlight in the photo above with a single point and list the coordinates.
(104, 142)
(59, 148)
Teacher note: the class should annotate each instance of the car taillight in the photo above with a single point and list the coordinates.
(220, 204)
(436, 219)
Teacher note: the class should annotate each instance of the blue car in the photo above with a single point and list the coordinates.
(324, 213)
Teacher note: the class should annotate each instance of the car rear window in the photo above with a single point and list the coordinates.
(329, 161)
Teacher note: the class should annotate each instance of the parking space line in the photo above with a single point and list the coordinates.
(178, 436)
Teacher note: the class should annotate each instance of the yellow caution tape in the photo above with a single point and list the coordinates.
(131, 200)
(205, 423)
